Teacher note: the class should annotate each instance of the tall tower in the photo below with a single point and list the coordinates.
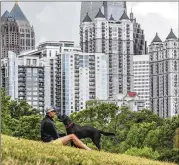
(116, 8)
(115, 39)
(27, 34)
(139, 38)
(10, 36)
(164, 75)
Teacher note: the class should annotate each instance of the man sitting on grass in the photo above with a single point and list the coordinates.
(49, 132)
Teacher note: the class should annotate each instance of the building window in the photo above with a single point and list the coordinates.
(28, 42)
(29, 98)
(34, 98)
(34, 103)
(34, 61)
(35, 88)
(34, 93)
(28, 62)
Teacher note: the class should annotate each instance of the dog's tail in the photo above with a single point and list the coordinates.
(107, 133)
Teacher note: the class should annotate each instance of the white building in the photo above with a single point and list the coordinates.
(84, 76)
(141, 78)
(59, 74)
(130, 99)
(164, 75)
(93, 77)
(32, 75)
(115, 39)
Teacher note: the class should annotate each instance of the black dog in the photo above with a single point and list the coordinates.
(83, 131)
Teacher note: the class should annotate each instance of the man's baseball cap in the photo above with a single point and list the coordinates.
(50, 109)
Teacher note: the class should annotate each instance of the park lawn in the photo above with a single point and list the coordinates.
(27, 152)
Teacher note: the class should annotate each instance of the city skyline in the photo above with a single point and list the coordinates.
(153, 16)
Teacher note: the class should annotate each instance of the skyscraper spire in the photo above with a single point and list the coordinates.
(100, 14)
(87, 18)
(17, 13)
(131, 15)
(171, 35)
(124, 16)
(156, 38)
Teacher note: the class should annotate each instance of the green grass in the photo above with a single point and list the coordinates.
(27, 152)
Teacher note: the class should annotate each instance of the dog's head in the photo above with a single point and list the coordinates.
(64, 118)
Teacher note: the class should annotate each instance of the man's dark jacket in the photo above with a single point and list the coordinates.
(48, 130)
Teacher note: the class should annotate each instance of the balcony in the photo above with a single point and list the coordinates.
(41, 71)
(41, 100)
(21, 89)
(58, 97)
(21, 76)
(41, 86)
(21, 85)
(21, 79)
(21, 70)
(41, 76)
(21, 95)
(41, 104)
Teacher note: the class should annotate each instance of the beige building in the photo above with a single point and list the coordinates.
(164, 75)
(115, 39)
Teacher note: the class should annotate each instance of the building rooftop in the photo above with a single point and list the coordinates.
(6, 14)
(171, 35)
(111, 18)
(100, 14)
(156, 38)
(87, 18)
(124, 16)
(17, 13)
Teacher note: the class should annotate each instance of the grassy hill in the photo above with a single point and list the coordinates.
(26, 152)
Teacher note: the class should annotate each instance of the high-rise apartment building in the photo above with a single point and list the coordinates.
(56, 73)
(27, 34)
(83, 76)
(115, 39)
(141, 78)
(17, 33)
(24, 79)
(164, 75)
(10, 36)
(140, 45)
(116, 8)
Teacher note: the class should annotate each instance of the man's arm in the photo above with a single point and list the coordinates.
(52, 130)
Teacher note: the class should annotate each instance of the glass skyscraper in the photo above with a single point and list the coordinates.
(116, 8)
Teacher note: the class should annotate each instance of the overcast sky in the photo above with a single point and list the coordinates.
(60, 20)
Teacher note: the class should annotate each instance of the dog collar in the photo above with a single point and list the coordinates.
(69, 125)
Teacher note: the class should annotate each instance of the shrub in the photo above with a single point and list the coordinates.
(143, 152)
(171, 155)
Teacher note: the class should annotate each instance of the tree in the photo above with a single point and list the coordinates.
(29, 127)
(138, 132)
(152, 139)
(5, 114)
(19, 108)
(148, 116)
(176, 139)
(99, 115)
